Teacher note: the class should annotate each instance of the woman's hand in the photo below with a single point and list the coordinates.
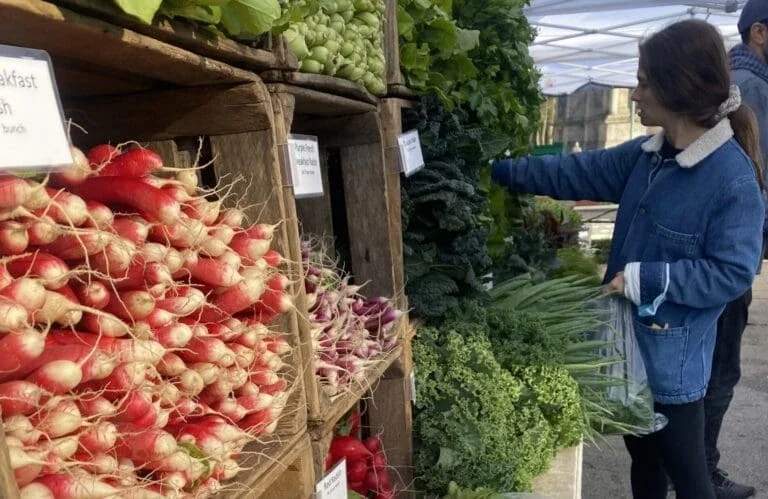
(616, 285)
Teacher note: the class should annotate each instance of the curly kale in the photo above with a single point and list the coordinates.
(557, 396)
(470, 423)
(521, 339)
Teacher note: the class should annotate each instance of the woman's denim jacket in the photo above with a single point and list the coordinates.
(688, 237)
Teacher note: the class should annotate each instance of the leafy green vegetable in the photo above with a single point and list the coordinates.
(469, 422)
(246, 19)
(144, 10)
(457, 492)
(199, 10)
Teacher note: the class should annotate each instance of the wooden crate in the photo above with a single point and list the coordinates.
(283, 469)
(268, 52)
(135, 87)
(366, 140)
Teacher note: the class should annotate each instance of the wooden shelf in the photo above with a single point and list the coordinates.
(321, 83)
(340, 404)
(280, 469)
(186, 35)
(93, 57)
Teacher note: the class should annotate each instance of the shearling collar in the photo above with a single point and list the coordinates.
(700, 148)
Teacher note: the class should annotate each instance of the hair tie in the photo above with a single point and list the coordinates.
(730, 104)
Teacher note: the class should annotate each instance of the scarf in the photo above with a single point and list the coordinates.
(742, 58)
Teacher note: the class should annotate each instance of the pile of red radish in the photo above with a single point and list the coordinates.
(366, 465)
(348, 329)
(137, 362)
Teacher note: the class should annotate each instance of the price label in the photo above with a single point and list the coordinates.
(334, 484)
(32, 132)
(304, 156)
(411, 159)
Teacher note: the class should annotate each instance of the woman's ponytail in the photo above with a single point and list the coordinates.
(744, 125)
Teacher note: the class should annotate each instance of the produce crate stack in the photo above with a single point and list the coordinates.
(198, 99)
(205, 105)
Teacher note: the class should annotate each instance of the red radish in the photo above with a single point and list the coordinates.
(191, 383)
(60, 307)
(230, 409)
(20, 427)
(108, 325)
(274, 301)
(232, 217)
(95, 405)
(72, 246)
(189, 179)
(59, 421)
(52, 270)
(348, 447)
(131, 192)
(19, 397)
(160, 318)
(214, 272)
(126, 350)
(141, 444)
(277, 345)
(140, 274)
(42, 231)
(100, 215)
(124, 378)
(247, 390)
(256, 402)
(243, 355)
(13, 316)
(27, 292)
(373, 444)
(263, 376)
(74, 173)
(57, 377)
(356, 470)
(273, 258)
(213, 350)
(275, 388)
(98, 464)
(102, 154)
(232, 300)
(137, 162)
(100, 437)
(93, 294)
(257, 422)
(131, 305)
(174, 336)
(14, 238)
(182, 300)
(65, 208)
(135, 406)
(14, 192)
(183, 233)
(134, 229)
(208, 371)
(171, 365)
(379, 461)
(65, 486)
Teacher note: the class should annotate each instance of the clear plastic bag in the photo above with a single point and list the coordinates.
(628, 396)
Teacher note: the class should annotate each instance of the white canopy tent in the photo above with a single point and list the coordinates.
(595, 41)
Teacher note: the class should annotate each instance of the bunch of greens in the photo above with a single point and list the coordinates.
(240, 19)
(443, 211)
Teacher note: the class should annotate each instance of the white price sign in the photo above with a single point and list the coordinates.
(32, 132)
(411, 158)
(334, 484)
(304, 156)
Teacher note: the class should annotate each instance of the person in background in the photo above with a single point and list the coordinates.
(749, 71)
(687, 237)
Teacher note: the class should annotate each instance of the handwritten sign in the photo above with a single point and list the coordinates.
(411, 158)
(334, 484)
(304, 156)
(32, 132)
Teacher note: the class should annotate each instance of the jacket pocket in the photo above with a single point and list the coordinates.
(663, 352)
(668, 245)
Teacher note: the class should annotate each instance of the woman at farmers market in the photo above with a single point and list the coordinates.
(687, 237)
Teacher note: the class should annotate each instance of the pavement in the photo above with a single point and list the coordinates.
(744, 438)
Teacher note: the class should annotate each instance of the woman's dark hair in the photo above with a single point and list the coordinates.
(686, 66)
